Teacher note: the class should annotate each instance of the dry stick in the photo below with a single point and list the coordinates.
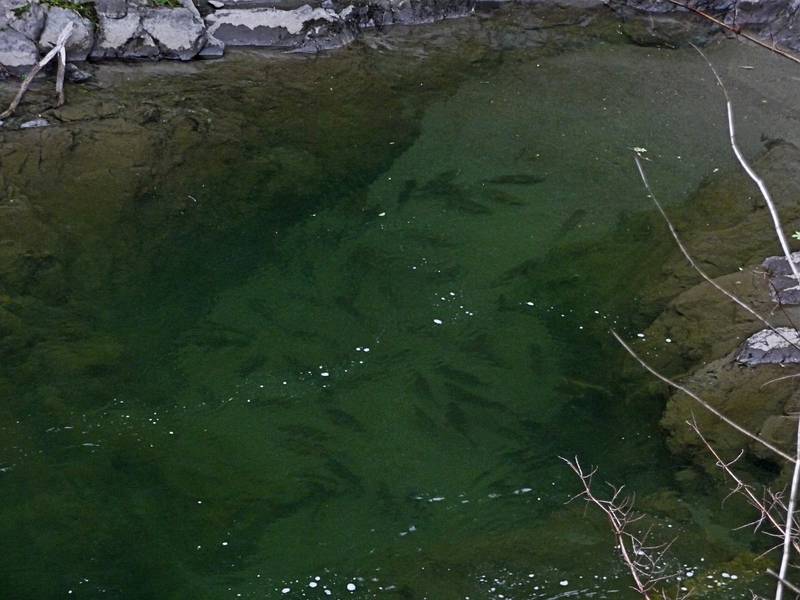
(62, 67)
(703, 403)
(787, 536)
(611, 511)
(741, 486)
(776, 221)
(777, 379)
(697, 268)
(789, 585)
(738, 31)
(57, 49)
(762, 187)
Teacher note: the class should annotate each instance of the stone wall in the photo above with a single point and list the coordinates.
(183, 30)
(149, 29)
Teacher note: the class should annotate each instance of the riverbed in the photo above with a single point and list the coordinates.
(292, 327)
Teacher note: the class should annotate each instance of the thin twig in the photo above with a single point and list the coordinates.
(735, 299)
(742, 488)
(738, 31)
(787, 536)
(777, 379)
(57, 49)
(618, 514)
(787, 584)
(703, 403)
(762, 186)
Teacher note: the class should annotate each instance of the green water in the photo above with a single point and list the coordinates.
(351, 358)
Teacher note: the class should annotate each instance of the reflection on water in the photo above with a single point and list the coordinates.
(368, 393)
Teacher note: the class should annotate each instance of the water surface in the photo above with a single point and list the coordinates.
(347, 363)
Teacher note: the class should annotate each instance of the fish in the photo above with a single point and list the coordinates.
(573, 221)
(515, 179)
(502, 197)
(408, 191)
(459, 375)
(465, 396)
(344, 419)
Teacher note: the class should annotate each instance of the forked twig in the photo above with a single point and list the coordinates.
(743, 489)
(618, 512)
(790, 586)
(60, 50)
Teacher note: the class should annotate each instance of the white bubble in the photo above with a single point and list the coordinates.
(286, 590)
(437, 321)
(351, 587)
(563, 583)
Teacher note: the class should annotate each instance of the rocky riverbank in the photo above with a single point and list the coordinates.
(185, 29)
(699, 337)
(725, 354)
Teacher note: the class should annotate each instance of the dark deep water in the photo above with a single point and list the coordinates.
(347, 366)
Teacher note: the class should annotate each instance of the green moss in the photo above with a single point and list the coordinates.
(166, 3)
(84, 9)
(21, 11)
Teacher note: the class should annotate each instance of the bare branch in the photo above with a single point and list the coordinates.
(703, 403)
(57, 49)
(735, 299)
(738, 31)
(777, 379)
(787, 536)
(762, 186)
(617, 514)
(764, 509)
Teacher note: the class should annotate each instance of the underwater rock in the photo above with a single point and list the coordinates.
(736, 392)
(771, 347)
(783, 287)
(76, 75)
(23, 16)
